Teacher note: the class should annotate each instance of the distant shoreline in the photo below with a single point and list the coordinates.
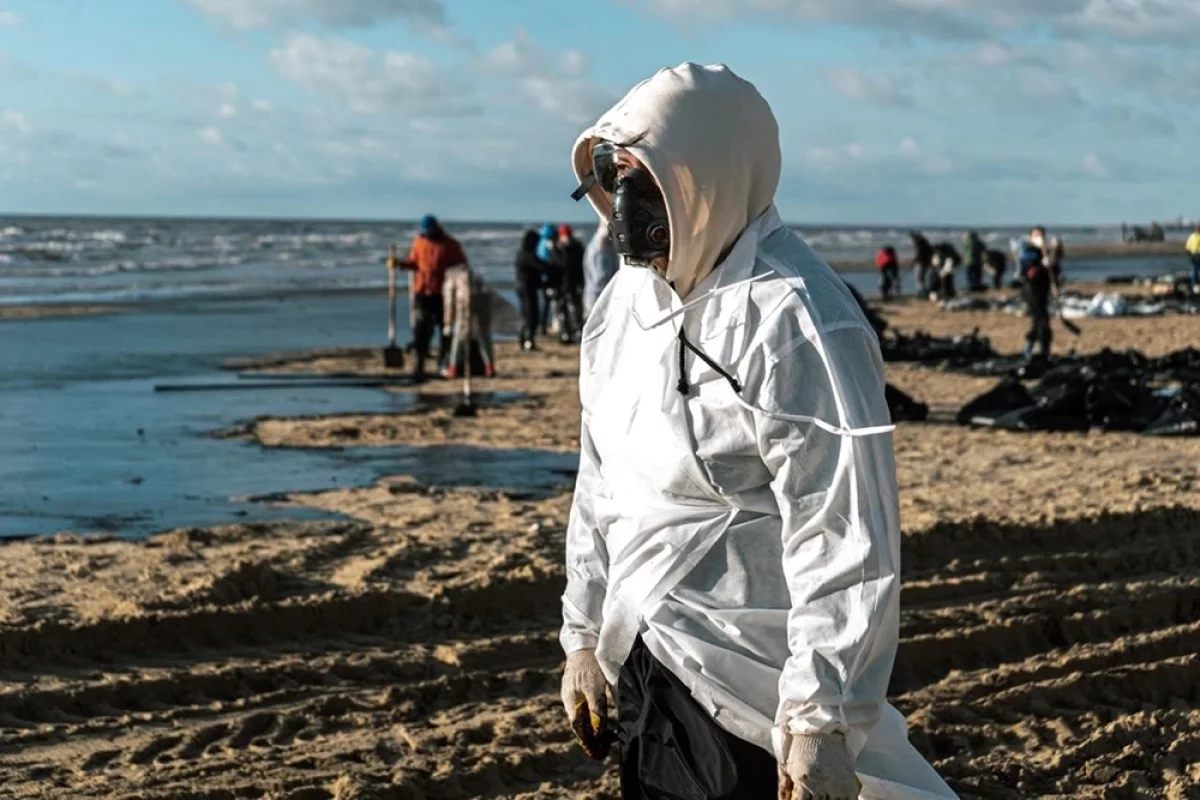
(51, 310)
(1091, 252)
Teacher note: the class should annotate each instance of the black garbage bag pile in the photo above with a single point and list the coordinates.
(1009, 305)
(922, 348)
(901, 406)
(874, 319)
(1182, 365)
(1110, 391)
(904, 407)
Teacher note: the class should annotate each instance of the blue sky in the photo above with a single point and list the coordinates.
(891, 111)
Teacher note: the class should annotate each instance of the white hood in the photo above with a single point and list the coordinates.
(711, 142)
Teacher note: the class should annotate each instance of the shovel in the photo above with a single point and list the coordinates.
(465, 407)
(393, 356)
(1070, 326)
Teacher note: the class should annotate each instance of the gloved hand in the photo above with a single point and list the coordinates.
(585, 697)
(817, 767)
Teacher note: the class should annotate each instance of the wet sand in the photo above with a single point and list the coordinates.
(50, 310)
(1049, 630)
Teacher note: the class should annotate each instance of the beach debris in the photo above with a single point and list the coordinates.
(1106, 391)
(923, 348)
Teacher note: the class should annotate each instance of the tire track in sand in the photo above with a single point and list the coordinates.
(418, 660)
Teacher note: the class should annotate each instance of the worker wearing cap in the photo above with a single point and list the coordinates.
(433, 252)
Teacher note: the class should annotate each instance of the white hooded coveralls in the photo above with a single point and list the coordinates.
(751, 538)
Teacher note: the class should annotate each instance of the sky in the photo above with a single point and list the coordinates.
(890, 111)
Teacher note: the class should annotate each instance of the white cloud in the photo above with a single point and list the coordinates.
(1140, 20)
(832, 159)
(558, 83)
(1093, 165)
(227, 110)
(9, 19)
(941, 18)
(1176, 21)
(262, 106)
(367, 82)
(212, 136)
(17, 120)
(119, 88)
(878, 90)
(251, 14)
(909, 147)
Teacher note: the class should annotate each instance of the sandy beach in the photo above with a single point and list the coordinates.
(408, 649)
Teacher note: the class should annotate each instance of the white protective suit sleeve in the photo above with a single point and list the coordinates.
(587, 556)
(837, 496)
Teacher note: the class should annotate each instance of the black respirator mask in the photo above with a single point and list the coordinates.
(639, 227)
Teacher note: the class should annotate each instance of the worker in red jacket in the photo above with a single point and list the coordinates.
(433, 252)
(889, 271)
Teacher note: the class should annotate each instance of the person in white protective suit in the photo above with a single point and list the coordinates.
(733, 547)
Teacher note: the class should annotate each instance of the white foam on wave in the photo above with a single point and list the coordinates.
(308, 240)
(489, 235)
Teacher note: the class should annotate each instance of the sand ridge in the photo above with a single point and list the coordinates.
(408, 650)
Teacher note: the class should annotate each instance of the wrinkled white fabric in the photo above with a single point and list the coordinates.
(751, 539)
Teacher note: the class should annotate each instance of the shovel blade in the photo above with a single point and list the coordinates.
(393, 357)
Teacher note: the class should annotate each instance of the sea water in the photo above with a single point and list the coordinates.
(87, 444)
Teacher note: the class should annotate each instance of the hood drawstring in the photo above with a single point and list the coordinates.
(684, 388)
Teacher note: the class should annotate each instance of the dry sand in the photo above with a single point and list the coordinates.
(1049, 636)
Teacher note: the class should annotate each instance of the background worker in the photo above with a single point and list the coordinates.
(529, 288)
(1040, 280)
(468, 324)
(551, 276)
(600, 263)
(922, 263)
(1193, 248)
(974, 255)
(568, 253)
(889, 271)
(433, 251)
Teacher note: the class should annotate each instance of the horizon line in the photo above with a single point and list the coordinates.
(450, 220)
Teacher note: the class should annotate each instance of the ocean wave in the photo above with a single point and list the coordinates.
(93, 270)
(489, 235)
(308, 240)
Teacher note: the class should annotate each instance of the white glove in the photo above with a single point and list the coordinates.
(584, 683)
(817, 767)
